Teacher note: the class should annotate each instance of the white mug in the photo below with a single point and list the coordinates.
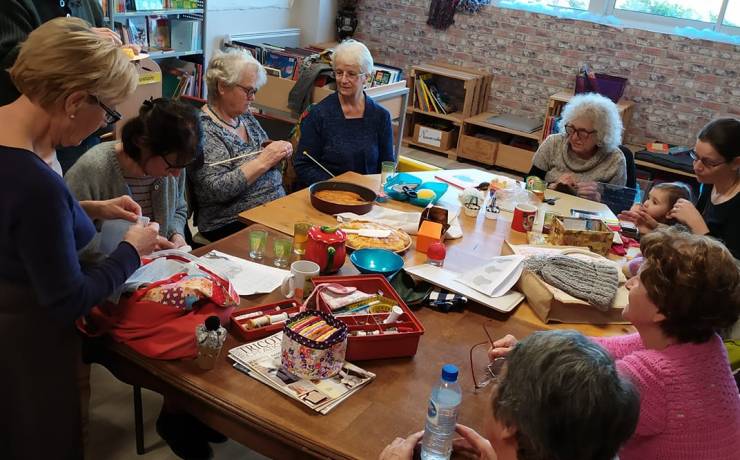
(301, 272)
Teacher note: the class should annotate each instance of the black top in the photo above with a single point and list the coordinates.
(723, 219)
(18, 18)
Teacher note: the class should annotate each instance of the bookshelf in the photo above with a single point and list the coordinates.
(495, 145)
(558, 100)
(442, 97)
(171, 32)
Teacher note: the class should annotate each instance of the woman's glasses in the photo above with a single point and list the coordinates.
(704, 161)
(349, 75)
(579, 132)
(484, 370)
(248, 91)
(111, 116)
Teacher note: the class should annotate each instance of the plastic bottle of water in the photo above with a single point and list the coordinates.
(442, 416)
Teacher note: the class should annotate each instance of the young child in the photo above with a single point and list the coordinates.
(658, 205)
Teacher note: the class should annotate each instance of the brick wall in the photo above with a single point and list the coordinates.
(678, 84)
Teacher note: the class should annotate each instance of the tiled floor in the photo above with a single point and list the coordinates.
(111, 429)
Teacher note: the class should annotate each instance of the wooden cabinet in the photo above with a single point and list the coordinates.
(496, 145)
(456, 94)
(557, 102)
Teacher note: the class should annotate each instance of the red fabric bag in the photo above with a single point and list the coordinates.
(160, 330)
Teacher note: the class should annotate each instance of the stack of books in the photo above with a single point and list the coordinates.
(261, 360)
(181, 78)
(429, 98)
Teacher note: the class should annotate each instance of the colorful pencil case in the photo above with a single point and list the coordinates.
(314, 345)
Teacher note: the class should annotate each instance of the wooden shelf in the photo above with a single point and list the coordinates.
(175, 54)
(565, 96)
(411, 141)
(481, 120)
(455, 117)
(163, 12)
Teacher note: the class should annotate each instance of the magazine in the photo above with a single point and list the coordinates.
(261, 360)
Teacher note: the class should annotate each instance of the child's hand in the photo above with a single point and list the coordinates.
(642, 220)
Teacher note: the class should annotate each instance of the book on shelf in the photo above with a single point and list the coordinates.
(137, 32)
(285, 62)
(158, 29)
(526, 125)
(431, 98)
(261, 360)
(384, 75)
(181, 78)
(144, 5)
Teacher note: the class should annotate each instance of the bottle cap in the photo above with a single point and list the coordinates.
(212, 323)
(436, 251)
(449, 373)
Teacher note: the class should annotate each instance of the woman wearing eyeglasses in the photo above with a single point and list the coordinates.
(222, 191)
(347, 131)
(586, 151)
(148, 165)
(43, 286)
(716, 158)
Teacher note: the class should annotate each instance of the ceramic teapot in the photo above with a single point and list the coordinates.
(326, 247)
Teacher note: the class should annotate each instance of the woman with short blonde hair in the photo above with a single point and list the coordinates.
(586, 150)
(347, 131)
(69, 77)
(230, 130)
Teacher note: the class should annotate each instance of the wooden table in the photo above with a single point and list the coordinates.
(393, 405)
(482, 238)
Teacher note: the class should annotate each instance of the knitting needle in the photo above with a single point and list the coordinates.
(246, 155)
(319, 164)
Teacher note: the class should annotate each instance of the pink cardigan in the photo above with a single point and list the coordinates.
(689, 403)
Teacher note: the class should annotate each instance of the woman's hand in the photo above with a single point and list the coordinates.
(123, 207)
(275, 152)
(588, 190)
(401, 449)
(143, 238)
(473, 444)
(502, 347)
(178, 240)
(644, 222)
(686, 213)
(566, 179)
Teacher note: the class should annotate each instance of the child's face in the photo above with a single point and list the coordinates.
(657, 204)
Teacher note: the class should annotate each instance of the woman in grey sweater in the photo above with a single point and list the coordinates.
(148, 165)
(587, 149)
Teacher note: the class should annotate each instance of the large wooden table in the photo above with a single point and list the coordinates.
(393, 405)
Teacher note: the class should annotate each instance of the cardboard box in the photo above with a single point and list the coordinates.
(436, 138)
(477, 149)
(150, 86)
(429, 232)
(590, 233)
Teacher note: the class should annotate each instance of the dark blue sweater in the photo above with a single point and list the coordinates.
(341, 144)
(42, 227)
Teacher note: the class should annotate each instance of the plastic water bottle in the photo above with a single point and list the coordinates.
(442, 416)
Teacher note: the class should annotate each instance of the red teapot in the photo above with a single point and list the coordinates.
(326, 247)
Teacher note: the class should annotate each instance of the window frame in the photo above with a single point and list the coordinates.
(645, 21)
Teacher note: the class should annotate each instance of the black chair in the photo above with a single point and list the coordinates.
(629, 158)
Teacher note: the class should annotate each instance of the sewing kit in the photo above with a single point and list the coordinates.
(314, 345)
(257, 322)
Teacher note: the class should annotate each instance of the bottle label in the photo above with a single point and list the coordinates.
(432, 413)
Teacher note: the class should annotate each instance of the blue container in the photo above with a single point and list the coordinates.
(376, 261)
(400, 179)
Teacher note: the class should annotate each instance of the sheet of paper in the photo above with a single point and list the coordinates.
(445, 278)
(247, 277)
(496, 277)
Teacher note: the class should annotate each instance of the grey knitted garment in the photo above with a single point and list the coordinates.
(594, 282)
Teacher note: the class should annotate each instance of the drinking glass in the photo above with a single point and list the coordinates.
(300, 236)
(387, 170)
(257, 243)
(281, 248)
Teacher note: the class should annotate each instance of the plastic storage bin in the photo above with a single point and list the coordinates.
(606, 85)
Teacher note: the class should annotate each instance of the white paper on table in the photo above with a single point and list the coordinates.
(447, 279)
(406, 221)
(247, 277)
(496, 277)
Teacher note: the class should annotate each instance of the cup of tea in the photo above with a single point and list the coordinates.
(524, 217)
(298, 282)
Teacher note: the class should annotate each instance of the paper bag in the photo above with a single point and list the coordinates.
(435, 214)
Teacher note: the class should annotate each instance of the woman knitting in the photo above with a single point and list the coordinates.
(687, 289)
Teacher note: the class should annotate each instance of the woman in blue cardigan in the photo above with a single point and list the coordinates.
(347, 131)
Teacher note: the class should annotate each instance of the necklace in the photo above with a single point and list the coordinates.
(234, 126)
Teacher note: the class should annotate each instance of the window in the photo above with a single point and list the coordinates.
(722, 16)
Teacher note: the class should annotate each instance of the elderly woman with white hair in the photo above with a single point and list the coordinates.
(230, 130)
(347, 131)
(587, 149)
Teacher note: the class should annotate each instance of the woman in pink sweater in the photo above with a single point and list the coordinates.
(687, 289)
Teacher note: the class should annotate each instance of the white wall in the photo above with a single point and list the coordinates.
(314, 17)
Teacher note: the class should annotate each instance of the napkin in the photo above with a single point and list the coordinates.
(406, 221)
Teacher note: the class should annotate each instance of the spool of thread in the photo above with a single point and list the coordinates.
(393, 316)
(265, 320)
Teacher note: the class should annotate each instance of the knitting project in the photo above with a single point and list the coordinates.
(594, 282)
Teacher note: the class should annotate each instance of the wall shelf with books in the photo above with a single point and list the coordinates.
(442, 97)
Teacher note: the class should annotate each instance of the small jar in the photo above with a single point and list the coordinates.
(436, 254)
